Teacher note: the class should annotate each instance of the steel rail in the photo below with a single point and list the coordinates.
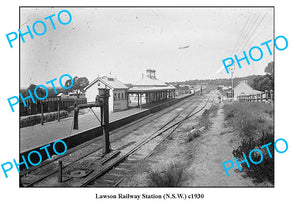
(116, 162)
(93, 151)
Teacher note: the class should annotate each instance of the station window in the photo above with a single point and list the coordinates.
(115, 96)
(118, 96)
(122, 96)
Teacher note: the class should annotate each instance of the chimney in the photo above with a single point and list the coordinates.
(151, 74)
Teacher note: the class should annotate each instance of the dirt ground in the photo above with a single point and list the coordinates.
(201, 158)
(214, 147)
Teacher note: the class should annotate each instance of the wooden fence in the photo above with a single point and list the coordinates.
(51, 104)
(263, 97)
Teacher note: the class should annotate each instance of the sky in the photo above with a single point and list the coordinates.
(179, 43)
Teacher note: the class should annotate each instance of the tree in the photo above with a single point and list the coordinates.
(79, 83)
(270, 68)
(265, 82)
(39, 91)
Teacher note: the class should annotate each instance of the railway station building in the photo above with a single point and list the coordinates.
(118, 92)
(149, 89)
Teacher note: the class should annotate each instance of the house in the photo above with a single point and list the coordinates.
(244, 89)
(118, 99)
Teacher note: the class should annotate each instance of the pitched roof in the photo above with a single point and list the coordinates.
(149, 82)
(112, 83)
(243, 85)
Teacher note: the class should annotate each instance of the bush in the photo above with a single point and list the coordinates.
(229, 112)
(254, 122)
(250, 119)
(36, 119)
(204, 119)
(258, 172)
(269, 109)
(248, 125)
(195, 133)
(170, 177)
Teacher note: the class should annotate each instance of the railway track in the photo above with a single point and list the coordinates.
(90, 143)
(113, 174)
(46, 173)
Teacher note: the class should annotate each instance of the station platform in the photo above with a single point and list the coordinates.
(39, 135)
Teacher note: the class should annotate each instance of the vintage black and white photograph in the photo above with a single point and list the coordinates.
(146, 96)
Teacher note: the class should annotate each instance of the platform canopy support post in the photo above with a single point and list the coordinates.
(58, 108)
(141, 100)
(60, 171)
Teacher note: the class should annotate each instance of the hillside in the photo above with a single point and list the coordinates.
(216, 82)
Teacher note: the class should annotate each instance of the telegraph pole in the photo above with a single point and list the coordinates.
(232, 90)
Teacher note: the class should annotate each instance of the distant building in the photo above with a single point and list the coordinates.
(227, 91)
(220, 87)
(225, 88)
(62, 96)
(74, 95)
(118, 99)
(182, 89)
(244, 89)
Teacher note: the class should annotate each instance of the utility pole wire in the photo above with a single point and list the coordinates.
(248, 35)
(246, 31)
(253, 35)
(266, 38)
(241, 34)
